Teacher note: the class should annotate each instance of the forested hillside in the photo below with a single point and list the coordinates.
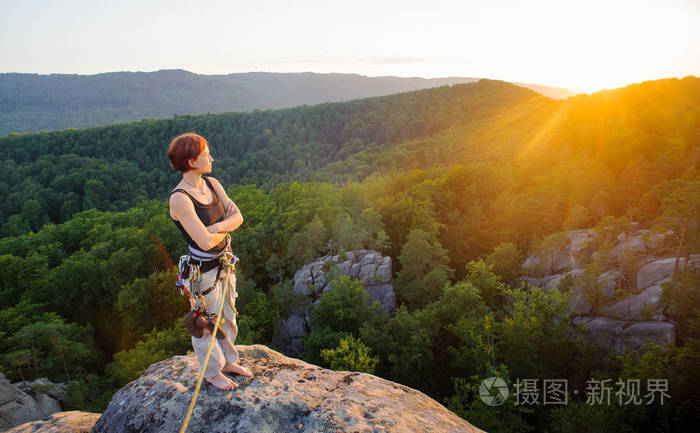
(33, 102)
(462, 180)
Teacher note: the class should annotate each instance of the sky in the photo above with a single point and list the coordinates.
(581, 45)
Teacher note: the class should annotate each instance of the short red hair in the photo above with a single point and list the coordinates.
(183, 148)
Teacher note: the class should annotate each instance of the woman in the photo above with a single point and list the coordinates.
(205, 214)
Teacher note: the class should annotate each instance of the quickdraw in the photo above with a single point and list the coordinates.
(189, 274)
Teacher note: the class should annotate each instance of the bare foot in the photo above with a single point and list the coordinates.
(222, 382)
(238, 369)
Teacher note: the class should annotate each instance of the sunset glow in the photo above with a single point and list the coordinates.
(581, 46)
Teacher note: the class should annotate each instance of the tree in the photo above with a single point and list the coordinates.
(680, 212)
(424, 270)
(308, 244)
(54, 348)
(506, 261)
(341, 312)
(579, 218)
(549, 249)
(156, 346)
(350, 355)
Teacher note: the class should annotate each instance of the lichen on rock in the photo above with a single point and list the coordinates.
(284, 395)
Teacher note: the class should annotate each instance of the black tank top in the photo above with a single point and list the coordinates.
(208, 213)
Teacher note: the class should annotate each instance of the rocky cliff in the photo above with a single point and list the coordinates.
(623, 306)
(284, 395)
(23, 402)
(313, 279)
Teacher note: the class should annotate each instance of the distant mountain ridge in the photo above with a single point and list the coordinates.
(34, 102)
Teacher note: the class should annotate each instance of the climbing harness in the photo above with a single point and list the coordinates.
(226, 264)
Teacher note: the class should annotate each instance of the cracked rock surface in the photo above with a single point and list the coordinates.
(61, 422)
(284, 395)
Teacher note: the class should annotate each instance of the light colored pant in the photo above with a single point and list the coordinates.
(222, 352)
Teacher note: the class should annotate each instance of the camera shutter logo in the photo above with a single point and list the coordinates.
(493, 391)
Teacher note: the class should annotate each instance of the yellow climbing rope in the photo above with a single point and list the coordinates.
(229, 268)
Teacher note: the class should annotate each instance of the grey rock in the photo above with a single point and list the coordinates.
(384, 294)
(302, 280)
(531, 264)
(47, 404)
(617, 335)
(539, 282)
(582, 242)
(384, 271)
(578, 303)
(661, 333)
(535, 265)
(659, 243)
(554, 282)
(609, 282)
(293, 326)
(367, 273)
(45, 386)
(292, 331)
(633, 307)
(369, 258)
(320, 282)
(16, 406)
(355, 271)
(605, 332)
(630, 248)
(345, 267)
(651, 273)
(284, 395)
(60, 422)
(564, 262)
(576, 274)
(370, 267)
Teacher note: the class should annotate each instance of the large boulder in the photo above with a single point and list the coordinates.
(284, 395)
(629, 248)
(61, 422)
(616, 335)
(582, 243)
(370, 267)
(609, 282)
(603, 331)
(16, 406)
(651, 273)
(539, 282)
(659, 243)
(47, 394)
(292, 332)
(633, 308)
(578, 301)
(638, 334)
(560, 262)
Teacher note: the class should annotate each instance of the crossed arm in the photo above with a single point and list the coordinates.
(232, 215)
(182, 209)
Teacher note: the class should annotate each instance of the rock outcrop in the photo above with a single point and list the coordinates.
(312, 280)
(370, 267)
(284, 395)
(60, 422)
(18, 407)
(639, 260)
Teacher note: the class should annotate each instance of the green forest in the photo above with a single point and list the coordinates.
(456, 184)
